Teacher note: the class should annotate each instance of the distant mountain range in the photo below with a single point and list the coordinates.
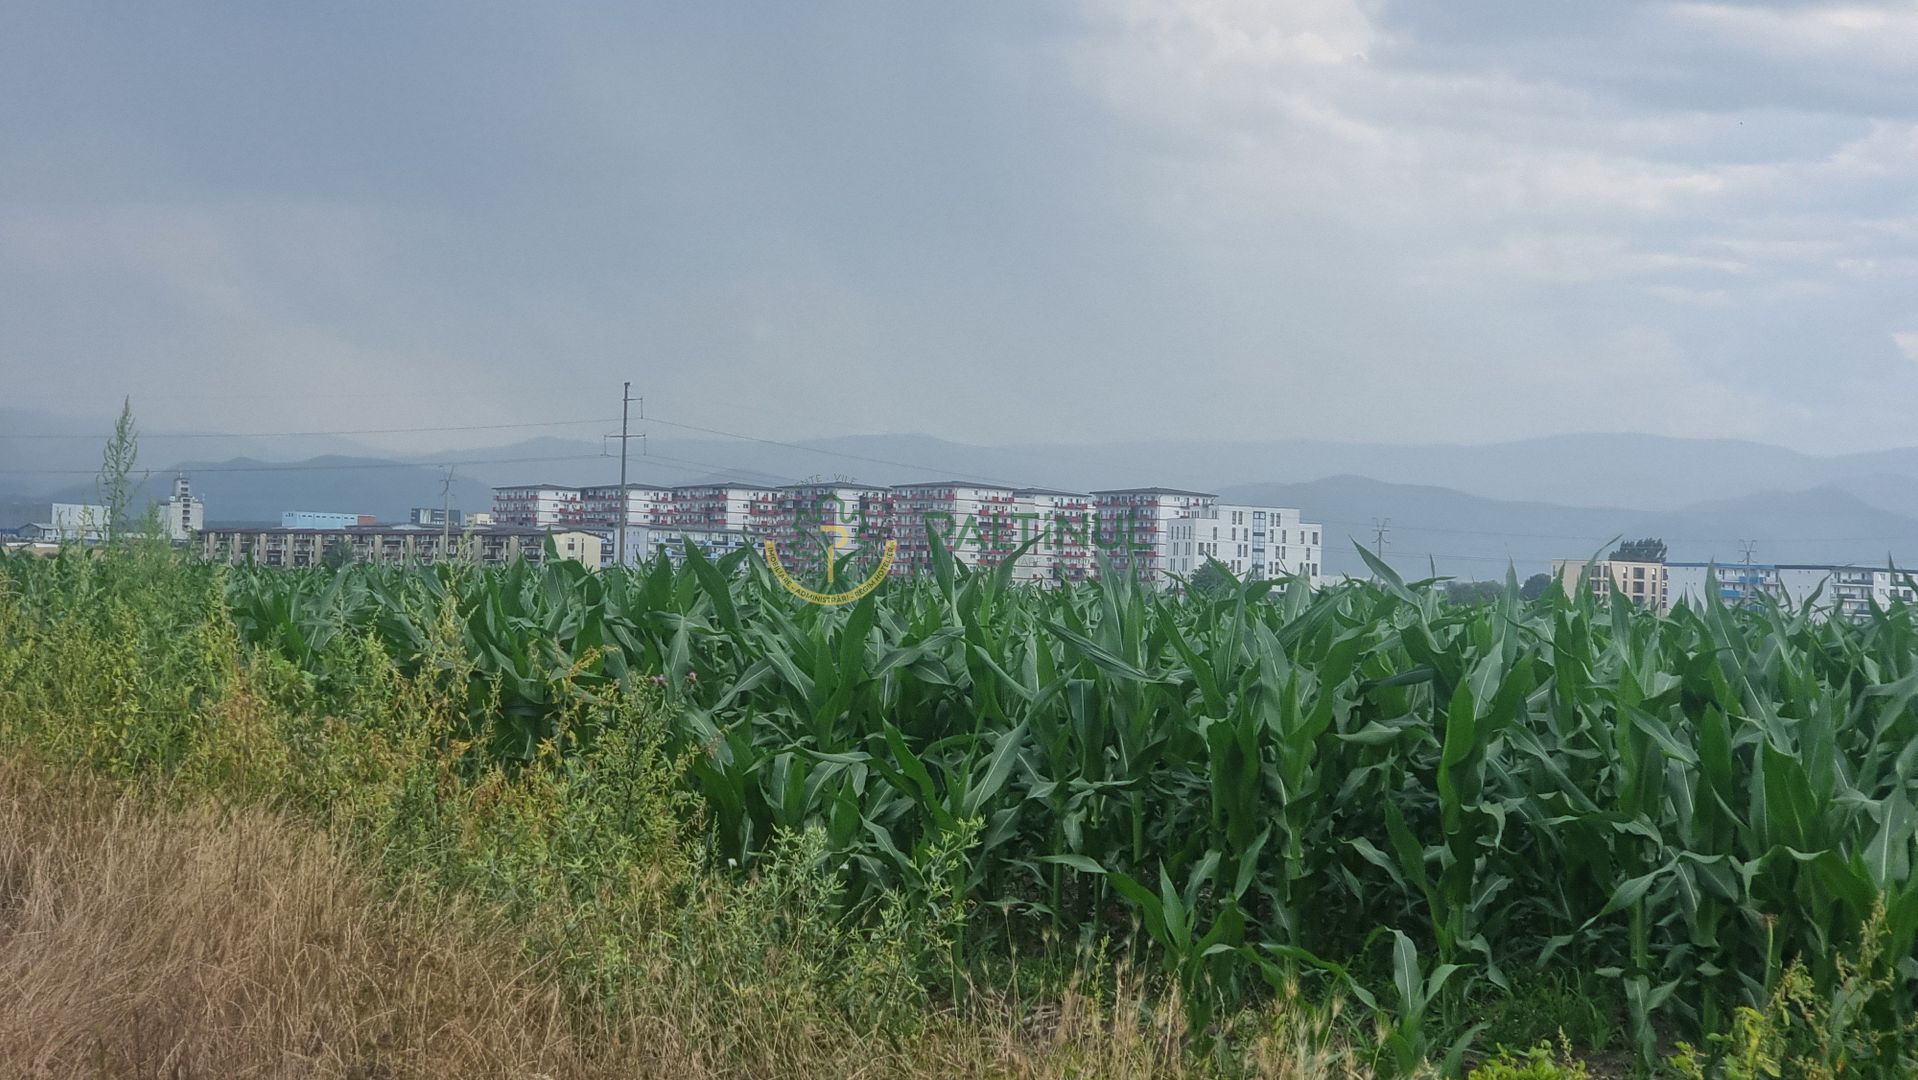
(1466, 509)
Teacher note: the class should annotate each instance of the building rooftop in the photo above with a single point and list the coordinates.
(1048, 491)
(548, 487)
(366, 530)
(953, 484)
(725, 484)
(1155, 491)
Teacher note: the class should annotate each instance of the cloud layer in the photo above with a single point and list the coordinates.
(1385, 221)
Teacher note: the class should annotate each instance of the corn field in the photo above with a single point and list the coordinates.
(1411, 801)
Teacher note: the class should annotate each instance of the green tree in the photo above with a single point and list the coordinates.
(115, 483)
(1535, 586)
(1472, 592)
(1650, 549)
(1212, 579)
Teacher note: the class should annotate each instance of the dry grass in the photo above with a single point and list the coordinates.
(139, 939)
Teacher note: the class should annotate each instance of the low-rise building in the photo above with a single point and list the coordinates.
(644, 542)
(317, 519)
(87, 523)
(437, 517)
(1845, 590)
(294, 548)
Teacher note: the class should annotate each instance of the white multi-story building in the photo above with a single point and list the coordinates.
(1063, 520)
(644, 504)
(1253, 542)
(737, 507)
(1133, 528)
(1848, 591)
(833, 517)
(183, 514)
(643, 542)
(956, 510)
(536, 506)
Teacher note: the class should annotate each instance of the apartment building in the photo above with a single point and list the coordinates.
(1064, 522)
(536, 506)
(956, 510)
(294, 548)
(828, 517)
(1846, 591)
(725, 507)
(607, 507)
(644, 542)
(183, 514)
(1252, 541)
(1646, 584)
(1133, 528)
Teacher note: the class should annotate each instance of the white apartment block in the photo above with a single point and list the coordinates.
(643, 542)
(1133, 528)
(831, 516)
(1254, 542)
(1847, 591)
(742, 507)
(643, 504)
(953, 508)
(183, 514)
(536, 506)
(1156, 535)
(1063, 521)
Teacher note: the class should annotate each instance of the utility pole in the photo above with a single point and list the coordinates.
(626, 400)
(1381, 527)
(446, 513)
(1745, 582)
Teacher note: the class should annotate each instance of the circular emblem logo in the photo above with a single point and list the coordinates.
(813, 596)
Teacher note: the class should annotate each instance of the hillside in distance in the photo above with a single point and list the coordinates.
(244, 490)
(1455, 534)
(1640, 472)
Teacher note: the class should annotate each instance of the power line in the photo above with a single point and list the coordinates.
(348, 466)
(314, 434)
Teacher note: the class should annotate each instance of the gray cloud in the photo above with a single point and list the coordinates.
(997, 222)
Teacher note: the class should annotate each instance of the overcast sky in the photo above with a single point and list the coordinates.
(992, 222)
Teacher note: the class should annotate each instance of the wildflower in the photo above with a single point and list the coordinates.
(692, 676)
(659, 680)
